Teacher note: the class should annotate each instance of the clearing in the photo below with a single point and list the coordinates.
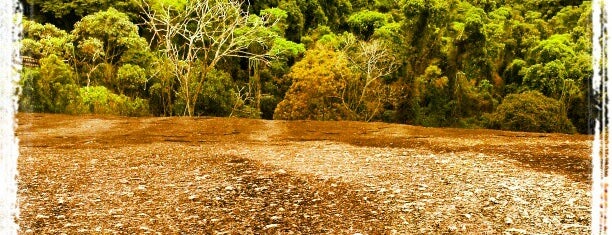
(180, 175)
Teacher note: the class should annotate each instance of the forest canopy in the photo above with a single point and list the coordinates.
(461, 63)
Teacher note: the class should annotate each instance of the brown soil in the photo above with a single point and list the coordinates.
(179, 175)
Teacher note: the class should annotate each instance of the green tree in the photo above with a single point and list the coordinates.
(295, 20)
(131, 80)
(365, 22)
(65, 13)
(105, 41)
(43, 40)
(56, 87)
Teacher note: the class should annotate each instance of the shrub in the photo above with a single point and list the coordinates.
(217, 97)
(268, 104)
(127, 106)
(530, 111)
(56, 87)
(99, 100)
(28, 96)
(131, 79)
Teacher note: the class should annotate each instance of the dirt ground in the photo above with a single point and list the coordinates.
(179, 175)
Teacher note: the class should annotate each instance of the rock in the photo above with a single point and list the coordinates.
(229, 188)
(202, 177)
(508, 220)
(515, 231)
(269, 226)
(493, 200)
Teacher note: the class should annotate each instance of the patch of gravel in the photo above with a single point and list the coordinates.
(460, 193)
(165, 189)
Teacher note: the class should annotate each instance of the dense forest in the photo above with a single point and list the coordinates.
(505, 64)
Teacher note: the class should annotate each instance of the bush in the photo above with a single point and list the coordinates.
(126, 106)
(55, 87)
(530, 111)
(28, 97)
(217, 97)
(268, 104)
(131, 80)
(99, 100)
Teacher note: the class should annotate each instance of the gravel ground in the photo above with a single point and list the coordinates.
(114, 175)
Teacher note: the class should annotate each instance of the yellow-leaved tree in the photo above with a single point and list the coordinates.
(318, 81)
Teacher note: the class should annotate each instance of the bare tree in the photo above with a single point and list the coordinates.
(200, 35)
(365, 95)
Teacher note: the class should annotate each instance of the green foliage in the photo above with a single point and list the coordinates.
(162, 90)
(131, 80)
(295, 20)
(105, 41)
(114, 31)
(268, 105)
(284, 49)
(66, 12)
(386, 5)
(28, 97)
(317, 34)
(429, 106)
(547, 78)
(43, 40)
(512, 73)
(365, 22)
(56, 87)
(390, 32)
(452, 61)
(160, 5)
(218, 95)
(530, 111)
(276, 15)
(99, 100)
(557, 47)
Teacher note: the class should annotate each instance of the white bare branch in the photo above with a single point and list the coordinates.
(195, 39)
